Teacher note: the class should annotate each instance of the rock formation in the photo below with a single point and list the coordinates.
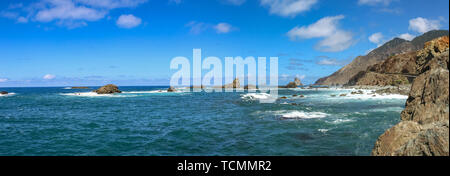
(108, 89)
(3, 93)
(389, 49)
(250, 86)
(171, 89)
(424, 126)
(293, 84)
(236, 84)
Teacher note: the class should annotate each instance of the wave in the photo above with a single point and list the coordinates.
(7, 95)
(256, 96)
(93, 94)
(339, 121)
(146, 92)
(300, 115)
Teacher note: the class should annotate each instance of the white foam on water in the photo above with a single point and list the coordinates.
(7, 95)
(93, 94)
(300, 114)
(256, 96)
(146, 92)
(339, 121)
(323, 130)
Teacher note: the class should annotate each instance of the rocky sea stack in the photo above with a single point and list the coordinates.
(108, 89)
(236, 84)
(424, 126)
(171, 89)
(293, 84)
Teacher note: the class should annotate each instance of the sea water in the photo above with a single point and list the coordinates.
(151, 121)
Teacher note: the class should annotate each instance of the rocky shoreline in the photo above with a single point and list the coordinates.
(424, 126)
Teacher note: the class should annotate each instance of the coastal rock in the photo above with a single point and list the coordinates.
(388, 91)
(3, 92)
(343, 95)
(171, 89)
(389, 49)
(236, 84)
(293, 84)
(298, 82)
(424, 129)
(357, 92)
(108, 89)
(247, 87)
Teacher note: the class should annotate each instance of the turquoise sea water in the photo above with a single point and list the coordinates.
(144, 121)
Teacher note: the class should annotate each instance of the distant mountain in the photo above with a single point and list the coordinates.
(391, 48)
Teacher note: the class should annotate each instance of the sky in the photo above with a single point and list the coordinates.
(131, 42)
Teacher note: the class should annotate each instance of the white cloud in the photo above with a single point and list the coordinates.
(199, 27)
(3, 80)
(128, 21)
(339, 41)
(423, 25)
(376, 38)
(22, 20)
(223, 28)
(196, 27)
(49, 76)
(374, 2)
(322, 28)
(112, 4)
(301, 77)
(330, 61)
(67, 10)
(67, 13)
(334, 40)
(288, 8)
(407, 36)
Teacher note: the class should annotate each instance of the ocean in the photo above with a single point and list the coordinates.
(149, 121)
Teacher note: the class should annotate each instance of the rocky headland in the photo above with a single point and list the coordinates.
(424, 126)
(389, 50)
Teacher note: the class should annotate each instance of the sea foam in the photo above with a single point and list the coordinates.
(300, 115)
(7, 95)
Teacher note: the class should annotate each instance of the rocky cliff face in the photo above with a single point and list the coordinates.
(424, 129)
(391, 48)
(395, 70)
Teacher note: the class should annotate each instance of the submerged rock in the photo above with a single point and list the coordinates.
(302, 96)
(343, 95)
(108, 89)
(3, 92)
(357, 92)
(424, 129)
(283, 97)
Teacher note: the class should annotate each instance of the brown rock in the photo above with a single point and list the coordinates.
(171, 89)
(3, 92)
(424, 129)
(108, 89)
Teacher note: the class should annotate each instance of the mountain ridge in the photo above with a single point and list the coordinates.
(391, 48)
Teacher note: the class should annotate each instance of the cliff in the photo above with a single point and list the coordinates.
(389, 49)
(424, 126)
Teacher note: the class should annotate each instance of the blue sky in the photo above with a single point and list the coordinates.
(131, 42)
